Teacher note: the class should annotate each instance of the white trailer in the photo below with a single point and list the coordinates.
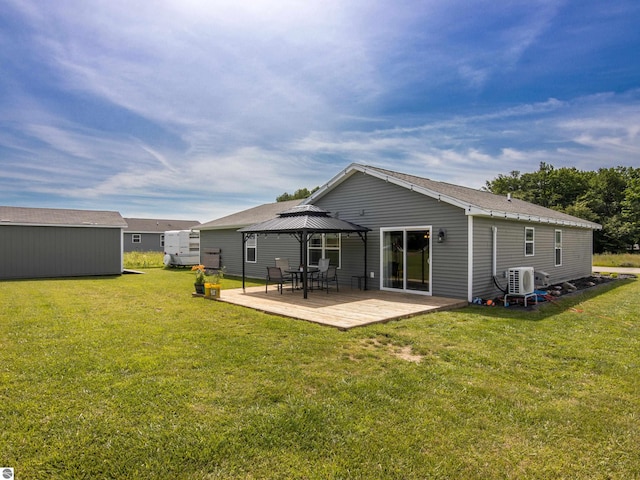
(181, 248)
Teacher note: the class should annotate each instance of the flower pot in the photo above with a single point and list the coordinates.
(212, 290)
(199, 288)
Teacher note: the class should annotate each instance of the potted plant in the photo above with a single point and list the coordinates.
(201, 277)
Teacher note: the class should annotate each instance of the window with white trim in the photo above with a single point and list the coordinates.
(325, 245)
(136, 238)
(529, 241)
(251, 248)
(558, 248)
(162, 240)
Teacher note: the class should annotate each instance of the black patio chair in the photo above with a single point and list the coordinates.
(275, 276)
(317, 276)
(283, 265)
(331, 275)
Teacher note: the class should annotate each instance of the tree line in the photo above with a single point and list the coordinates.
(609, 196)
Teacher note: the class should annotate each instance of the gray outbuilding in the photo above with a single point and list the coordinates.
(46, 243)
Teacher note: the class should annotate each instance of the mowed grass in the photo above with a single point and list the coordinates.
(617, 260)
(131, 377)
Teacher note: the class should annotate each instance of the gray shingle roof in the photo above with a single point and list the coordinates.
(250, 216)
(60, 217)
(474, 202)
(156, 225)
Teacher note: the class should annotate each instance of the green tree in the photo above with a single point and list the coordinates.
(299, 194)
(610, 196)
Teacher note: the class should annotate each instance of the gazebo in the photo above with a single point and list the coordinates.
(302, 222)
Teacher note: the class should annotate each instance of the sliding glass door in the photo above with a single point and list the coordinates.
(406, 259)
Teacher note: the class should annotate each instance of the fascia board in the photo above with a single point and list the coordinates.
(477, 212)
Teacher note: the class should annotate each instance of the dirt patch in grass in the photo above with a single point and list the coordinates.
(403, 352)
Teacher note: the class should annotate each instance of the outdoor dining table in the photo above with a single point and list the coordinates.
(298, 272)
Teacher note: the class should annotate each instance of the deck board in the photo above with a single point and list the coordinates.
(346, 309)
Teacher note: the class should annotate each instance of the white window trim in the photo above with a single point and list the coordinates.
(557, 246)
(253, 239)
(324, 248)
(532, 242)
(136, 238)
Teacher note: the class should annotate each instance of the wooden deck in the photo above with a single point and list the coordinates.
(346, 309)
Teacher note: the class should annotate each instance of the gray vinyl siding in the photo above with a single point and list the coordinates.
(52, 251)
(373, 203)
(577, 249)
(149, 242)
(268, 249)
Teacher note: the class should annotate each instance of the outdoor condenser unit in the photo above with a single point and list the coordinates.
(521, 280)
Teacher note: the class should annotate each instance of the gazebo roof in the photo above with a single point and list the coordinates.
(304, 218)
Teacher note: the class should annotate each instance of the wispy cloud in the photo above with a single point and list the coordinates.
(240, 101)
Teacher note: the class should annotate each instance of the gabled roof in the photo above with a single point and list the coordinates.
(250, 216)
(155, 225)
(60, 217)
(473, 202)
(304, 218)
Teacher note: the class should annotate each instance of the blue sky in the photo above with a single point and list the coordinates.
(197, 109)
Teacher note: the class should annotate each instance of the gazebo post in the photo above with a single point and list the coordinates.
(305, 240)
(365, 260)
(244, 241)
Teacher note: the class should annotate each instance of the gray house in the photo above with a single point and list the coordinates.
(426, 237)
(147, 234)
(44, 242)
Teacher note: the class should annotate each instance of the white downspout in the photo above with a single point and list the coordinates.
(494, 253)
(470, 259)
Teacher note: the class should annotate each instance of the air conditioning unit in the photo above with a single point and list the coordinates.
(521, 280)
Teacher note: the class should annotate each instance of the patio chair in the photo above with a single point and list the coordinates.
(331, 275)
(283, 265)
(275, 276)
(318, 275)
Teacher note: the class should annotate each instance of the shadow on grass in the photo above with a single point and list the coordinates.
(543, 310)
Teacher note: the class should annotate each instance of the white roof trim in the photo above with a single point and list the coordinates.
(66, 225)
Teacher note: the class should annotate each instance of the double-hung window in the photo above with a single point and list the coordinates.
(529, 242)
(325, 245)
(558, 248)
(136, 238)
(251, 248)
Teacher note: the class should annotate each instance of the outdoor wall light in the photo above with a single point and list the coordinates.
(442, 235)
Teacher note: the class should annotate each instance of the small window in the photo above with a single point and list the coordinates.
(558, 248)
(162, 240)
(529, 240)
(136, 238)
(251, 249)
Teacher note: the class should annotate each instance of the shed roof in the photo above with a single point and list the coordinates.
(253, 215)
(474, 202)
(156, 225)
(60, 217)
(304, 218)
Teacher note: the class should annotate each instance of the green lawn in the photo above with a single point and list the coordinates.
(617, 260)
(131, 377)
